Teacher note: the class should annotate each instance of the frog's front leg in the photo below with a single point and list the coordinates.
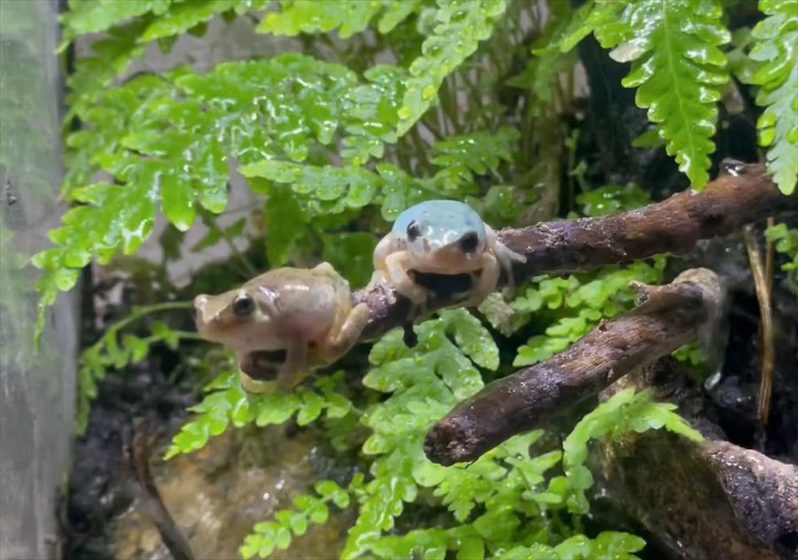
(397, 264)
(250, 369)
(505, 256)
(343, 339)
(486, 284)
(296, 361)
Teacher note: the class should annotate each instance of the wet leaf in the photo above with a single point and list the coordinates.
(775, 49)
(458, 29)
(346, 16)
(677, 68)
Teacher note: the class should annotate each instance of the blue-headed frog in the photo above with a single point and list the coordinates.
(442, 237)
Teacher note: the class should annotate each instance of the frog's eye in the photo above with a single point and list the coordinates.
(469, 242)
(413, 230)
(243, 305)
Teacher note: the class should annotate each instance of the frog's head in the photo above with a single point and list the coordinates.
(240, 318)
(448, 233)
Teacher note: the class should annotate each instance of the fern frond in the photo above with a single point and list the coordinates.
(227, 403)
(268, 536)
(477, 153)
(776, 47)
(676, 65)
(347, 16)
(460, 26)
(164, 18)
(97, 16)
(166, 140)
(130, 25)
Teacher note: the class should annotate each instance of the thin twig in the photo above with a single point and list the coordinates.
(770, 257)
(765, 311)
(138, 461)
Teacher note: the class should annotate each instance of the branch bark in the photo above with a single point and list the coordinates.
(712, 500)
(741, 194)
(666, 318)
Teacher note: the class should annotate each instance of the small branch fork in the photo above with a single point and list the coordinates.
(741, 194)
(666, 317)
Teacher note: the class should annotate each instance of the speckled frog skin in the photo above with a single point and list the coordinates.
(442, 237)
(283, 323)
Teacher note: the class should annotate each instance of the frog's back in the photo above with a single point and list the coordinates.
(446, 214)
(288, 275)
(306, 296)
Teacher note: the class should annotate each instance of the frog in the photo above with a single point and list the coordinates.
(284, 323)
(444, 237)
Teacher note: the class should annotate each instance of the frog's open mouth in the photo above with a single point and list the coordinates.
(263, 365)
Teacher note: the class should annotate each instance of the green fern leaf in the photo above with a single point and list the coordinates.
(326, 190)
(678, 70)
(676, 65)
(425, 383)
(112, 55)
(479, 153)
(786, 243)
(186, 15)
(127, 35)
(268, 536)
(226, 402)
(347, 16)
(166, 140)
(459, 29)
(624, 412)
(96, 16)
(776, 48)
(331, 190)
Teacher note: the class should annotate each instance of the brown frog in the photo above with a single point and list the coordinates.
(284, 323)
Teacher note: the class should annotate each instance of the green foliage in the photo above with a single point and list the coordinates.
(457, 29)
(347, 16)
(786, 243)
(608, 545)
(167, 140)
(327, 189)
(776, 49)
(624, 413)
(611, 199)
(114, 351)
(227, 402)
(96, 16)
(542, 74)
(278, 534)
(465, 156)
(424, 383)
(129, 26)
(677, 68)
(506, 504)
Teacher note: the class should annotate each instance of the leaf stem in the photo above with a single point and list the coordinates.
(768, 348)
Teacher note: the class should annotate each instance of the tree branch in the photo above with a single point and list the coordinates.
(712, 500)
(666, 318)
(741, 194)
